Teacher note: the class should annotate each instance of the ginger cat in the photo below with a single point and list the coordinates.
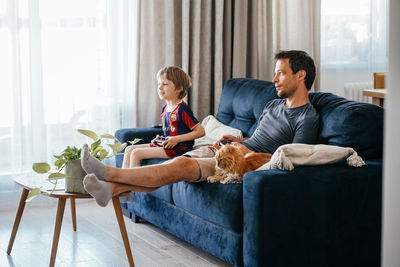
(232, 164)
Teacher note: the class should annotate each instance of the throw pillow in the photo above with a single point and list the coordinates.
(214, 131)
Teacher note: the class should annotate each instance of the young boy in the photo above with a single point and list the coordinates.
(180, 127)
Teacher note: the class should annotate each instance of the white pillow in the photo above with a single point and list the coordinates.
(214, 131)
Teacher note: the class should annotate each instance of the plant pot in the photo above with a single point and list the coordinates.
(74, 183)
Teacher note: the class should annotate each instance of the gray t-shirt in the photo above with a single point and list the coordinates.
(279, 125)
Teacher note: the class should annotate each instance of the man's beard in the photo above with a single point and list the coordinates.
(286, 93)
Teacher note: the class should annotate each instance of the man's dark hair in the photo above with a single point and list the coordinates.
(299, 60)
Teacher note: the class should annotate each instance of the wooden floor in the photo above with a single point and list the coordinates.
(97, 241)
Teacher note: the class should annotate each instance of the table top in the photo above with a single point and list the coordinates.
(33, 180)
(380, 93)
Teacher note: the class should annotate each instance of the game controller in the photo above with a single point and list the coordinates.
(159, 141)
(223, 142)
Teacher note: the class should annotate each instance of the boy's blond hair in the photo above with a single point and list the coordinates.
(178, 77)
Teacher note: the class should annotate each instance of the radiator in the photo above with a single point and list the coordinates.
(353, 91)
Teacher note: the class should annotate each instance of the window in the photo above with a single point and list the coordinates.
(58, 58)
(353, 42)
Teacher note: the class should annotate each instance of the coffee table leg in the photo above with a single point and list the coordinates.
(73, 213)
(57, 229)
(122, 228)
(17, 220)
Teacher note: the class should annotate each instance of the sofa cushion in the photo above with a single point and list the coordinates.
(242, 102)
(349, 123)
(219, 203)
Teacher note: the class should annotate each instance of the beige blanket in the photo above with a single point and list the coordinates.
(288, 156)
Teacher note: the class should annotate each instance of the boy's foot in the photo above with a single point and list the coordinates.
(92, 165)
(100, 190)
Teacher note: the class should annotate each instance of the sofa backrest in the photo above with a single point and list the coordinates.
(242, 102)
(349, 123)
(343, 122)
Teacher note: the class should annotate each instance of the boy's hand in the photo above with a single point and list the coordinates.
(171, 142)
(154, 140)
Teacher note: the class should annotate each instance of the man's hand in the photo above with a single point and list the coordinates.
(231, 138)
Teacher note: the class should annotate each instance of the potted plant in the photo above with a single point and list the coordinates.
(69, 162)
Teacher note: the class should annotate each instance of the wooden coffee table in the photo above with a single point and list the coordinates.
(28, 182)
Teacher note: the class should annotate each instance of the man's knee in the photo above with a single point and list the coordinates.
(185, 162)
(187, 167)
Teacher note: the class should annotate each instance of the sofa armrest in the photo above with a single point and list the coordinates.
(327, 215)
(129, 134)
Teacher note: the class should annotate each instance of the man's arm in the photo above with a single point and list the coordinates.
(236, 142)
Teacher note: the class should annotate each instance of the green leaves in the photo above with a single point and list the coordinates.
(72, 153)
(57, 175)
(136, 140)
(41, 167)
(88, 133)
(109, 136)
(32, 193)
(95, 144)
(117, 147)
(60, 163)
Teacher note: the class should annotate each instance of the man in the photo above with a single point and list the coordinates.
(291, 119)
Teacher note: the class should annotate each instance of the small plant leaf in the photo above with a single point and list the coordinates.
(117, 147)
(58, 156)
(109, 136)
(136, 140)
(97, 149)
(57, 175)
(41, 167)
(88, 133)
(103, 154)
(34, 192)
(59, 163)
(94, 145)
(122, 146)
(114, 147)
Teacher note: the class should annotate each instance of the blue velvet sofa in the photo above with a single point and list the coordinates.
(327, 215)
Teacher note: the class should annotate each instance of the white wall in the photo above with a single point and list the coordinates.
(391, 191)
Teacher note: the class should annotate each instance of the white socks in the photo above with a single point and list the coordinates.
(100, 190)
(92, 165)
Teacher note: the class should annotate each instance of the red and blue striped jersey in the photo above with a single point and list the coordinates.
(179, 121)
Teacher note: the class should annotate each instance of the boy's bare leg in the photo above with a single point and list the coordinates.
(146, 153)
(128, 154)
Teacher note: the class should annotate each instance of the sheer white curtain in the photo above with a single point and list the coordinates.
(296, 26)
(64, 65)
(353, 42)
